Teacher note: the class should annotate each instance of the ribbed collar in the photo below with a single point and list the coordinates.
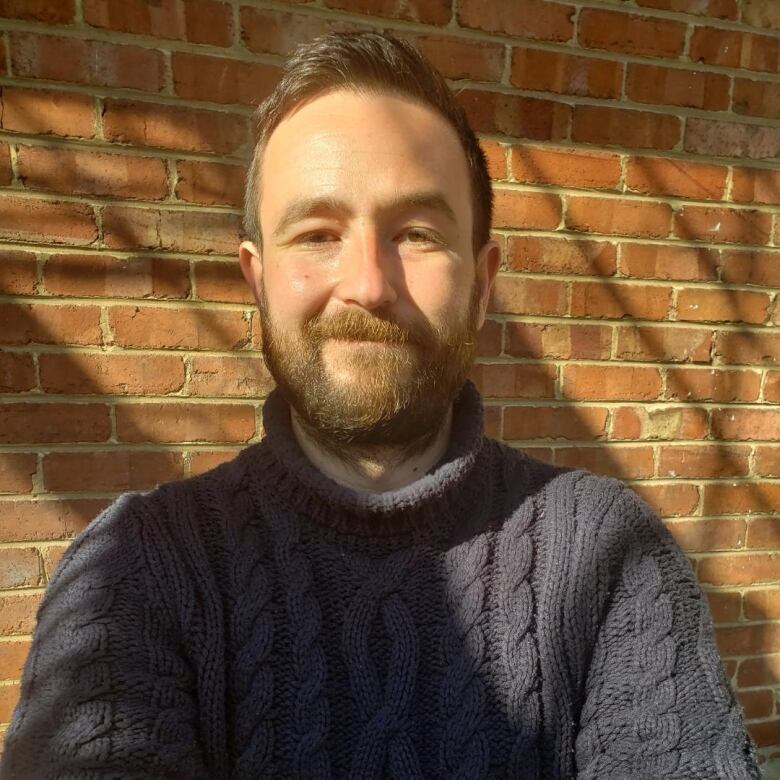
(450, 483)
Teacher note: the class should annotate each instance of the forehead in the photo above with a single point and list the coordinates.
(363, 147)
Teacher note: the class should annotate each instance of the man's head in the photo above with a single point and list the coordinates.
(369, 204)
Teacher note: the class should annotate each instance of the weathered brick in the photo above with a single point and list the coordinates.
(97, 63)
(729, 139)
(659, 176)
(229, 377)
(549, 341)
(174, 127)
(759, 671)
(203, 461)
(565, 74)
(625, 128)
(582, 423)
(17, 372)
(44, 323)
(436, 12)
(666, 423)
(762, 604)
(678, 345)
(612, 461)
(526, 210)
(565, 167)
(560, 256)
(750, 267)
(20, 567)
(18, 272)
(517, 295)
(597, 299)
(704, 223)
(712, 384)
(677, 87)
(718, 9)
(755, 185)
(746, 424)
(17, 470)
(456, 58)
(657, 261)
(48, 11)
(767, 464)
(611, 383)
(523, 380)
(523, 18)
(716, 46)
(116, 277)
(496, 158)
(46, 520)
(32, 220)
(6, 172)
(48, 113)
(701, 305)
(210, 183)
(671, 499)
(111, 373)
(628, 34)
(216, 280)
(756, 98)
(705, 534)
(76, 172)
(618, 217)
(761, 52)
(743, 568)
(30, 423)
(110, 470)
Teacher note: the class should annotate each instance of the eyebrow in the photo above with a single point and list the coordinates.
(309, 207)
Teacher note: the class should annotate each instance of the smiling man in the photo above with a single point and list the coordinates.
(376, 589)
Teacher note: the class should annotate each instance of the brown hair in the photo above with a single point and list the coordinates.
(376, 62)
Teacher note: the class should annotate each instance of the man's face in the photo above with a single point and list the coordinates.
(368, 290)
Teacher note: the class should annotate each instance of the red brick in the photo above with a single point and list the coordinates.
(627, 34)
(17, 613)
(229, 377)
(615, 301)
(456, 58)
(663, 424)
(749, 640)
(20, 567)
(17, 372)
(704, 461)
(625, 128)
(560, 256)
(43, 323)
(267, 31)
(699, 305)
(772, 387)
(611, 383)
(531, 340)
(565, 167)
(676, 499)
(764, 733)
(201, 462)
(618, 217)
(97, 63)
(702, 223)
(523, 18)
(426, 11)
(526, 210)
(724, 607)
(708, 535)
(756, 704)
(719, 9)
(728, 139)
(748, 348)
(518, 295)
(738, 569)
(677, 345)
(186, 328)
(756, 98)
(751, 267)
(746, 424)
(126, 227)
(32, 521)
(767, 464)
(6, 172)
(116, 277)
(496, 158)
(761, 52)
(12, 657)
(659, 176)
(763, 604)
(16, 473)
(712, 384)
(174, 127)
(28, 423)
(196, 21)
(75, 172)
(48, 11)
(184, 422)
(761, 13)
(619, 462)
(508, 380)
(716, 46)
(202, 77)
(565, 74)
(548, 422)
(217, 280)
(111, 373)
(490, 339)
(109, 470)
(657, 261)
(210, 183)
(677, 87)
(29, 220)
(48, 113)
(759, 671)
(755, 185)
(513, 115)
(18, 272)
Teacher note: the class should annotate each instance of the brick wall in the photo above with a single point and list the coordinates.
(634, 327)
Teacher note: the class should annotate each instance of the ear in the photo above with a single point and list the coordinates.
(251, 267)
(487, 265)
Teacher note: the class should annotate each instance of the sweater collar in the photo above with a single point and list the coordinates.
(365, 513)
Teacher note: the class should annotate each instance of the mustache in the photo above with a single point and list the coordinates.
(352, 325)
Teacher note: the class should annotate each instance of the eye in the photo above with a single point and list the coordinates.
(316, 237)
(417, 235)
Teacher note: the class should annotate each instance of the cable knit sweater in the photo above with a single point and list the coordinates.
(498, 618)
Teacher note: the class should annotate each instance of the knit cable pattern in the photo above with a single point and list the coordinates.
(385, 736)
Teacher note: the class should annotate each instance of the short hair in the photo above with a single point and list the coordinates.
(377, 62)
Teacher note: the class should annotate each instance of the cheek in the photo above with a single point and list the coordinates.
(295, 294)
(439, 295)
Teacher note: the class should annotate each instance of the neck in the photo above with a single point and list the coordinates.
(376, 469)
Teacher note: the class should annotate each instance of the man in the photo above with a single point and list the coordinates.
(376, 590)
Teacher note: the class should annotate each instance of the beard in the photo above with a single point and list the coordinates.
(382, 385)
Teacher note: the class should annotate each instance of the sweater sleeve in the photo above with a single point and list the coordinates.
(105, 690)
(657, 701)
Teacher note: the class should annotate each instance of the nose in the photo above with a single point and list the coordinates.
(366, 272)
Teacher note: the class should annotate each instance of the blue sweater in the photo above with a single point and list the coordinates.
(498, 618)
